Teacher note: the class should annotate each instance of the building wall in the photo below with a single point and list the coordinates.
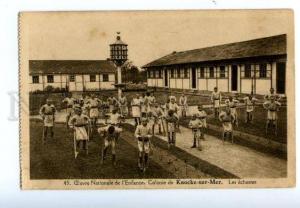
(223, 85)
(244, 84)
(81, 81)
(172, 83)
(263, 86)
(157, 82)
(202, 84)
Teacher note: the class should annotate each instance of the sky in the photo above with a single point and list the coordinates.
(149, 35)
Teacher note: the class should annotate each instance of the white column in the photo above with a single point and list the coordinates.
(119, 81)
(239, 66)
(274, 71)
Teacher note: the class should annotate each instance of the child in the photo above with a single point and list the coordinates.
(136, 109)
(272, 106)
(226, 118)
(216, 101)
(158, 114)
(172, 105)
(94, 111)
(196, 126)
(111, 102)
(183, 105)
(151, 101)
(111, 134)
(201, 116)
(78, 123)
(69, 101)
(123, 105)
(115, 117)
(250, 103)
(143, 135)
(143, 103)
(232, 104)
(272, 94)
(47, 112)
(171, 120)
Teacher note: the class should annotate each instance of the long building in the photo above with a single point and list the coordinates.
(73, 75)
(242, 67)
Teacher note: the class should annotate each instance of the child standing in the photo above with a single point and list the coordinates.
(196, 125)
(250, 103)
(143, 135)
(136, 109)
(232, 104)
(47, 112)
(78, 123)
(272, 106)
(201, 116)
(226, 118)
(171, 121)
(111, 134)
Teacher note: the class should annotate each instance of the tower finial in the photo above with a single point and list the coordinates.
(118, 36)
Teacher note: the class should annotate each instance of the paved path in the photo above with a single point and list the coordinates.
(238, 160)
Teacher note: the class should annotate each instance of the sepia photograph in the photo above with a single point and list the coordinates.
(157, 99)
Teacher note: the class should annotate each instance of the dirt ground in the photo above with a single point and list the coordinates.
(55, 159)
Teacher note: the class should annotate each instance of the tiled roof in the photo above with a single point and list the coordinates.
(268, 46)
(71, 66)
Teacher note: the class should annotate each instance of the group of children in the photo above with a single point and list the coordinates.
(82, 116)
(229, 116)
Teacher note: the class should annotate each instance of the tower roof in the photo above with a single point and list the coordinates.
(118, 40)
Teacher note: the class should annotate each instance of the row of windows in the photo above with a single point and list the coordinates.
(251, 72)
(72, 78)
(247, 71)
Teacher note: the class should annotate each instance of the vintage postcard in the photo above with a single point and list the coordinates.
(157, 99)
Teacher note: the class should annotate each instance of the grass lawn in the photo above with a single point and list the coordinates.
(55, 159)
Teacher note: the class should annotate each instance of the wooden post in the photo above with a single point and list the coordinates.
(216, 76)
(254, 91)
(83, 87)
(99, 81)
(43, 81)
(228, 78)
(271, 76)
(240, 73)
(60, 81)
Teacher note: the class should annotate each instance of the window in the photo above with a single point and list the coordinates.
(105, 77)
(159, 74)
(211, 72)
(72, 78)
(172, 73)
(35, 79)
(247, 71)
(148, 73)
(50, 79)
(263, 70)
(222, 72)
(178, 73)
(202, 72)
(186, 73)
(92, 78)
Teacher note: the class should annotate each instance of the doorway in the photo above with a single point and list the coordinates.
(194, 78)
(280, 77)
(234, 77)
(166, 77)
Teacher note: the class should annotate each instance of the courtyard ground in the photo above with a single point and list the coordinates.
(256, 128)
(55, 159)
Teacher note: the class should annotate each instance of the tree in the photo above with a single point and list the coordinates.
(132, 74)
